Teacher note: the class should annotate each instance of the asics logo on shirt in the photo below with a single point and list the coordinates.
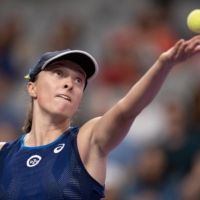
(59, 148)
(33, 161)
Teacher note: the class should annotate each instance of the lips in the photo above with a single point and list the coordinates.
(64, 97)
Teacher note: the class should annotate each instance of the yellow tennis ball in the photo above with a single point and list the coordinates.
(193, 21)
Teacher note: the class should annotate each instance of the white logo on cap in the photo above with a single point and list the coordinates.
(33, 161)
(59, 148)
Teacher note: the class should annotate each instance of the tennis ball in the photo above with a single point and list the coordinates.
(193, 21)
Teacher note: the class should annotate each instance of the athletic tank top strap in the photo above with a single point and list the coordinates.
(73, 131)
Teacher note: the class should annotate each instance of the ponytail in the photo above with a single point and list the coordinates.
(29, 118)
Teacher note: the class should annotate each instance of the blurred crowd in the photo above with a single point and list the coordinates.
(160, 157)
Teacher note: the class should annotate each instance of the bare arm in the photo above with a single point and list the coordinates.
(1, 144)
(110, 129)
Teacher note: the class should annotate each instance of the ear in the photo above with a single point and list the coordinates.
(31, 89)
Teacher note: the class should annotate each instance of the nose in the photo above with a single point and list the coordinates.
(68, 84)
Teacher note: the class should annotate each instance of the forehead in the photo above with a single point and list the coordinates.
(67, 64)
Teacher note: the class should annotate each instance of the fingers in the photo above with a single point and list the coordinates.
(171, 56)
(193, 47)
(193, 44)
(196, 38)
(178, 46)
(180, 56)
(179, 49)
(195, 51)
(186, 49)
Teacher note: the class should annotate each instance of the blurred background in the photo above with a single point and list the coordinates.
(160, 157)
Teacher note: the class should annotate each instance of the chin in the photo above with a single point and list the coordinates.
(64, 113)
(60, 117)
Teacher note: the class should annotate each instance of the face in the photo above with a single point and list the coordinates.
(58, 89)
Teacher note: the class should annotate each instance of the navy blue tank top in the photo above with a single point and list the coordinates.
(54, 171)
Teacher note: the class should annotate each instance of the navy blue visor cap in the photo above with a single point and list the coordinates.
(82, 58)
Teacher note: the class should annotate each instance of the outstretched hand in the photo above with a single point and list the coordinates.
(181, 51)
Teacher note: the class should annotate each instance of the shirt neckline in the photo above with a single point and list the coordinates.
(43, 146)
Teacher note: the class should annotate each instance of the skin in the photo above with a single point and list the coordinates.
(1, 144)
(100, 135)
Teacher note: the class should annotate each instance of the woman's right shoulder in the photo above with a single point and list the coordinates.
(1, 144)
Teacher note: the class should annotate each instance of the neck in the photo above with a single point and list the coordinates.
(45, 130)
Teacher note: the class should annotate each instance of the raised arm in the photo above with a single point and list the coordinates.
(110, 129)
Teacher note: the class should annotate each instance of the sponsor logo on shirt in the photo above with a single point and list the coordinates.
(59, 148)
(33, 161)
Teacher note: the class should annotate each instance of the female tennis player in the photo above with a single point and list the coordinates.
(57, 161)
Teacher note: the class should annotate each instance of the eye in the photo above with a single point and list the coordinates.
(78, 80)
(58, 73)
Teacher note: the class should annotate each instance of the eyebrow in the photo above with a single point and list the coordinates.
(53, 65)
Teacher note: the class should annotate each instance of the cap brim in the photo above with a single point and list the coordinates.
(82, 58)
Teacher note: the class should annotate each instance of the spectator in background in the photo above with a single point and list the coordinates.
(195, 114)
(146, 181)
(133, 47)
(9, 32)
(178, 144)
(65, 33)
(190, 187)
(150, 28)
